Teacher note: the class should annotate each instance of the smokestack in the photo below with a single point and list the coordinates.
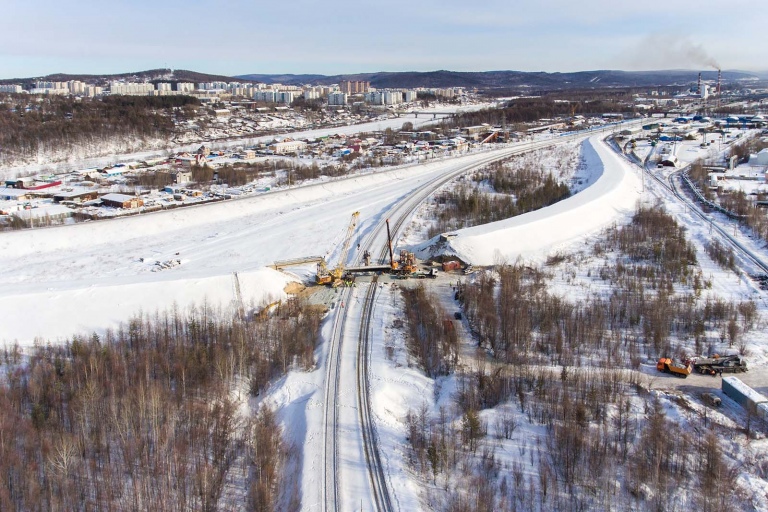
(719, 76)
(698, 86)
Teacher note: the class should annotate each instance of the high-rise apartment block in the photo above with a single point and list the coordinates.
(337, 98)
(354, 86)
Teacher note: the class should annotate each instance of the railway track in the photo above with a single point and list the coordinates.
(376, 241)
(376, 473)
(670, 187)
(331, 413)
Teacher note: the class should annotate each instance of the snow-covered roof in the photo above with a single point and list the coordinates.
(117, 197)
(50, 210)
(746, 391)
(12, 192)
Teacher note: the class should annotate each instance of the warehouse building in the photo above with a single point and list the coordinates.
(121, 201)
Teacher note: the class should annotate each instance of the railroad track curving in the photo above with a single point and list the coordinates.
(376, 241)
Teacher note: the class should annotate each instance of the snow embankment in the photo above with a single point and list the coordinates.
(54, 315)
(534, 235)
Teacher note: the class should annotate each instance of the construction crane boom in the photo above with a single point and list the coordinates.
(407, 262)
(334, 276)
(339, 270)
(389, 241)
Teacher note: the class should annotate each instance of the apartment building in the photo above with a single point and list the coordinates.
(337, 98)
(131, 89)
(354, 86)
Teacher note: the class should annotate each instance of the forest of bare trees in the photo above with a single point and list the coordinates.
(432, 339)
(653, 306)
(497, 192)
(149, 416)
(31, 123)
(602, 443)
(527, 110)
(583, 429)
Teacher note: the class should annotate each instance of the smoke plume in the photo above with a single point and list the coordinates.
(666, 51)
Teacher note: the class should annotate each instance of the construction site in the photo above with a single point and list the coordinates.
(405, 266)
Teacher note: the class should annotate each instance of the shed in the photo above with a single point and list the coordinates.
(451, 265)
(9, 194)
(180, 177)
(78, 195)
(121, 201)
(23, 182)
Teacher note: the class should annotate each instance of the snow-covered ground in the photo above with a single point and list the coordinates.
(76, 279)
(615, 189)
(576, 280)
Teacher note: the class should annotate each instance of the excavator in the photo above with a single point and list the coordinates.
(334, 277)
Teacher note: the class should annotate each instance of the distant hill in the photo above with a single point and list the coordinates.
(509, 79)
(483, 80)
(152, 75)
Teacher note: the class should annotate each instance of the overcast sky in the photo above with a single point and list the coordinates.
(233, 37)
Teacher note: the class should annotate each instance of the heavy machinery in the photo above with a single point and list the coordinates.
(677, 369)
(407, 262)
(719, 364)
(280, 265)
(334, 277)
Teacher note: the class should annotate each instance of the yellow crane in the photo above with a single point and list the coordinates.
(407, 263)
(333, 277)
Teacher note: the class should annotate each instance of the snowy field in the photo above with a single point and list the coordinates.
(76, 279)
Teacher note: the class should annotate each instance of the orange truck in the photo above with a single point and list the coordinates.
(677, 369)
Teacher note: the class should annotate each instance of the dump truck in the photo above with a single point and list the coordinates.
(676, 368)
(716, 365)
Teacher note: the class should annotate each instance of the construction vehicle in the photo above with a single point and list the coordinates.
(407, 262)
(677, 369)
(335, 277)
(424, 274)
(717, 365)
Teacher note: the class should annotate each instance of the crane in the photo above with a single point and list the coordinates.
(333, 277)
(407, 262)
